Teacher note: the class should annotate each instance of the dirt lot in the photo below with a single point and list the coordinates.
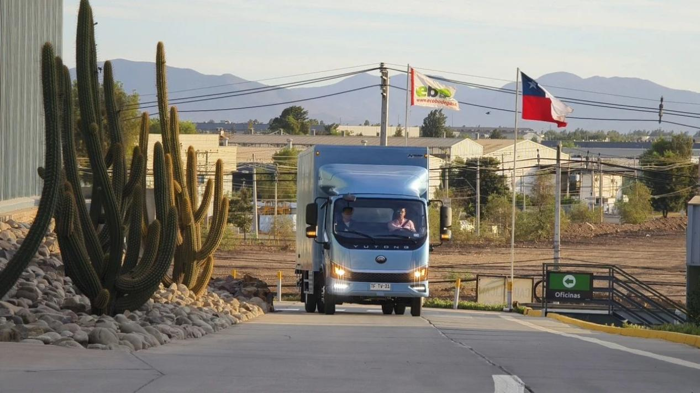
(654, 253)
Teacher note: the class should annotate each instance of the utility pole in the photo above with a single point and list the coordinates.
(478, 198)
(446, 175)
(600, 188)
(509, 286)
(568, 179)
(408, 101)
(255, 200)
(557, 210)
(276, 181)
(385, 104)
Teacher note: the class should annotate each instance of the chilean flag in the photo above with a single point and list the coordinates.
(539, 104)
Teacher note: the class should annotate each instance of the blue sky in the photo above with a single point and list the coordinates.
(649, 39)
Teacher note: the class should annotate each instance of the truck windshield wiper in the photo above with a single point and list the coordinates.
(361, 234)
(400, 237)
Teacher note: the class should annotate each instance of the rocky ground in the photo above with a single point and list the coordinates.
(45, 308)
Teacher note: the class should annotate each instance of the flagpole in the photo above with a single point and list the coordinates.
(408, 99)
(509, 291)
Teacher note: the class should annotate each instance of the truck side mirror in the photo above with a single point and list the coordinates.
(445, 223)
(312, 214)
(311, 220)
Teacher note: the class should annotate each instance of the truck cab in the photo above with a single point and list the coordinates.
(367, 238)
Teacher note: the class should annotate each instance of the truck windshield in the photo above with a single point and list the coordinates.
(379, 221)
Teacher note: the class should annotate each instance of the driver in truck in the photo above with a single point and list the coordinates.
(347, 222)
(401, 222)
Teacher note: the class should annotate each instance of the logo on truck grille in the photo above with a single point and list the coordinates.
(380, 259)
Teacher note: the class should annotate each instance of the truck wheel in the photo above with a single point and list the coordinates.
(400, 308)
(387, 308)
(309, 302)
(329, 303)
(416, 306)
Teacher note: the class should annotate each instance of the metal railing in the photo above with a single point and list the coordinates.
(621, 294)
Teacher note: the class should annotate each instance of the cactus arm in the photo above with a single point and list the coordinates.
(50, 191)
(216, 233)
(206, 202)
(115, 129)
(118, 173)
(150, 273)
(204, 276)
(135, 174)
(135, 236)
(191, 178)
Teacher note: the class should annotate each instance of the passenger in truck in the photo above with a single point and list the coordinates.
(400, 222)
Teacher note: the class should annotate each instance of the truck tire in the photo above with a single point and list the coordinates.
(387, 308)
(400, 308)
(329, 303)
(416, 306)
(309, 302)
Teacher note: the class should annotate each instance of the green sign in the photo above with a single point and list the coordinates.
(563, 286)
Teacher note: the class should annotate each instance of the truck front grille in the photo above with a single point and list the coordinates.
(380, 277)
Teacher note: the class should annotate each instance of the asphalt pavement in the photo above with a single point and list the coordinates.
(361, 350)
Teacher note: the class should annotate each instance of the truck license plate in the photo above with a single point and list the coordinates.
(379, 287)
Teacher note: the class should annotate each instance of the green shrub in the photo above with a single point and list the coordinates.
(463, 305)
(638, 207)
(580, 213)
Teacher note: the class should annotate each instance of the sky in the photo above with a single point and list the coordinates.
(648, 39)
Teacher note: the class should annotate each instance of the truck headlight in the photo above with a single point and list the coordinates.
(337, 271)
(420, 274)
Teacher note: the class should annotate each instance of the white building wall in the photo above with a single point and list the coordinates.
(526, 169)
(25, 25)
(612, 190)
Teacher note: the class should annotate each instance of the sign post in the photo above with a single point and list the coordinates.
(569, 287)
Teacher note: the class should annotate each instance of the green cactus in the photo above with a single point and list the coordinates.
(115, 276)
(194, 261)
(50, 173)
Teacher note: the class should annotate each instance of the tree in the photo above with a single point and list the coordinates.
(286, 161)
(331, 129)
(497, 134)
(434, 125)
(293, 120)
(673, 181)
(638, 208)
(463, 177)
(498, 211)
(366, 123)
(186, 127)
(241, 210)
(399, 131)
(130, 116)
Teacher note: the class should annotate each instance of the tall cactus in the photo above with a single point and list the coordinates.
(194, 260)
(114, 275)
(50, 174)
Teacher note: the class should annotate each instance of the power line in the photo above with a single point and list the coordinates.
(262, 80)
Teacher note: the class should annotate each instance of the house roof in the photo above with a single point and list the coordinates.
(492, 145)
(309, 140)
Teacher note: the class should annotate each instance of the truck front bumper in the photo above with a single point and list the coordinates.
(353, 289)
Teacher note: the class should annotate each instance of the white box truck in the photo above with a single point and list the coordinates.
(366, 238)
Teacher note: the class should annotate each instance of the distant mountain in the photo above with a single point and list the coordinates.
(353, 108)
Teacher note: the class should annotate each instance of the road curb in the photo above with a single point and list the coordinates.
(681, 338)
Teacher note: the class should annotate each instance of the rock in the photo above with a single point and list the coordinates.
(26, 331)
(8, 309)
(183, 321)
(72, 327)
(131, 327)
(149, 340)
(97, 346)
(28, 294)
(260, 303)
(104, 336)
(81, 337)
(107, 325)
(9, 335)
(125, 344)
(49, 338)
(160, 337)
(67, 333)
(67, 343)
(26, 315)
(74, 304)
(134, 339)
(204, 326)
(32, 341)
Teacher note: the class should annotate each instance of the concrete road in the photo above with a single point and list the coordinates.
(361, 350)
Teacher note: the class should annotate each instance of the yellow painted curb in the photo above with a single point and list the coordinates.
(680, 338)
(532, 313)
